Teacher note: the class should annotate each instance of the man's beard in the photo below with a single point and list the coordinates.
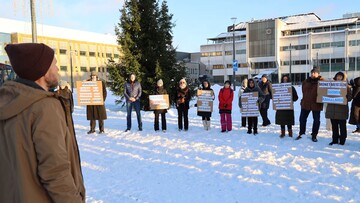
(52, 83)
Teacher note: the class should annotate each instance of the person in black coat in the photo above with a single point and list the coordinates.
(286, 117)
(159, 91)
(266, 88)
(205, 85)
(355, 105)
(182, 104)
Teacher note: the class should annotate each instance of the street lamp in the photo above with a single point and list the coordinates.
(234, 20)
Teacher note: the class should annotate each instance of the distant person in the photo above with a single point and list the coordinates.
(308, 104)
(160, 90)
(205, 85)
(253, 121)
(286, 117)
(182, 105)
(242, 89)
(132, 93)
(266, 87)
(338, 114)
(355, 105)
(226, 96)
(39, 156)
(97, 112)
(67, 100)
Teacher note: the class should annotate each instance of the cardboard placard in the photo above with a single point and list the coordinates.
(158, 102)
(249, 104)
(205, 100)
(89, 93)
(282, 96)
(333, 92)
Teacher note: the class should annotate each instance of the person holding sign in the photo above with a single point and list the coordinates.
(226, 96)
(266, 88)
(355, 105)
(96, 112)
(242, 89)
(253, 121)
(338, 114)
(308, 103)
(160, 90)
(206, 114)
(132, 93)
(286, 116)
(182, 104)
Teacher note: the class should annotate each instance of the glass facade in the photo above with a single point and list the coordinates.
(262, 39)
(4, 40)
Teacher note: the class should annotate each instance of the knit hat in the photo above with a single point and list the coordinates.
(264, 76)
(93, 73)
(315, 69)
(30, 61)
(228, 81)
(160, 83)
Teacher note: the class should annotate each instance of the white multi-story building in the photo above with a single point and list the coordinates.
(286, 45)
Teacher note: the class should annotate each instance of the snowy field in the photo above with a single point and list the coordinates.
(209, 166)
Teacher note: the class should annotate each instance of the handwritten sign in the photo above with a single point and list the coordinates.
(333, 92)
(89, 93)
(282, 96)
(158, 102)
(249, 104)
(205, 100)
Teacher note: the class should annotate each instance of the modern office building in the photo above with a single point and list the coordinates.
(286, 45)
(195, 69)
(76, 51)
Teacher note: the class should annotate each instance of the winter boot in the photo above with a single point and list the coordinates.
(205, 124)
(208, 125)
(282, 135)
(255, 131)
(313, 138)
(290, 132)
(249, 131)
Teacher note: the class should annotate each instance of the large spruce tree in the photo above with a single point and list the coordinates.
(144, 34)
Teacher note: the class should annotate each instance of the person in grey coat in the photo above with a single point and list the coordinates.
(132, 93)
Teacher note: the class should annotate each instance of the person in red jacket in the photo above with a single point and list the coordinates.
(226, 96)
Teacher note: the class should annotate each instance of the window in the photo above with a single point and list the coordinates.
(92, 69)
(83, 69)
(108, 55)
(62, 51)
(91, 53)
(241, 51)
(220, 66)
(63, 68)
(116, 56)
(227, 53)
(82, 53)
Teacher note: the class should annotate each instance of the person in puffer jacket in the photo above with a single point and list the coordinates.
(226, 96)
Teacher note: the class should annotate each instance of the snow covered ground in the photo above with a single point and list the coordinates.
(209, 166)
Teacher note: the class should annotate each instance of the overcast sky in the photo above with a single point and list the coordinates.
(196, 20)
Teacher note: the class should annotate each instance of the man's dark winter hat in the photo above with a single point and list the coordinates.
(264, 76)
(228, 81)
(30, 61)
(315, 69)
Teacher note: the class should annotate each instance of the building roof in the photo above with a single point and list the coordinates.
(15, 26)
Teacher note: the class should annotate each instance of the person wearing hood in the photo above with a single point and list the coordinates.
(242, 89)
(286, 117)
(355, 105)
(160, 90)
(205, 85)
(308, 104)
(96, 112)
(39, 157)
(226, 96)
(253, 121)
(266, 87)
(338, 114)
(182, 104)
(132, 93)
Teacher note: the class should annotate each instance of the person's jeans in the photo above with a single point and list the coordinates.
(336, 136)
(129, 107)
(303, 119)
(183, 113)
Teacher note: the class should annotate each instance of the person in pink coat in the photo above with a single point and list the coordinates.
(226, 96)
